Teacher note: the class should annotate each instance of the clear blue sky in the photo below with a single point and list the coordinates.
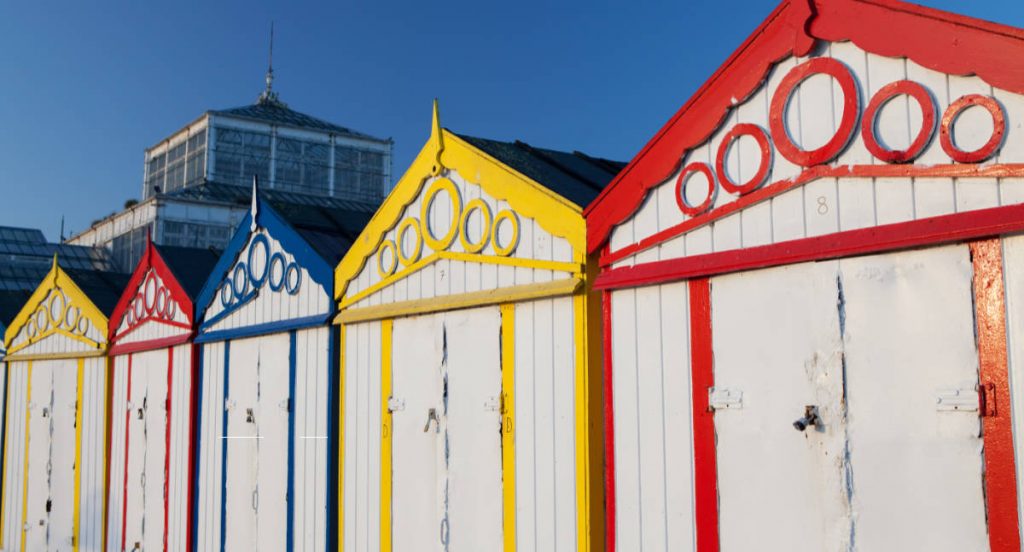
(85, 88)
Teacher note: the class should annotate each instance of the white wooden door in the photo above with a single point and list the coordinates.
(135, 462)
(870, 344)
(446, 448)
(474, 429)
(39, 494)
(240, 478)
(63, 450)
(155, 364)
(272, 444)
(776, 340)
(417, 446)
(917, 471)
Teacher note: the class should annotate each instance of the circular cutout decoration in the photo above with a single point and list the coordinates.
(150, 293)
(239, 281)
(71, 317)
(485, 218)
(763, 145)
(292, 279)
(258, 243)
(683, 179)
(162, 297)
(949, 119)
(513, 242)
(851, 106)
(172, 309)
(41, 318)
(225, 294)
(30, 328)
(924, 135)
(382, 270)
(409, 223)
(83, 325)
(276, 269)
(440, 244)
(58, 304)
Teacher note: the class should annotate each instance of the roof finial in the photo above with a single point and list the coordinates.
(436, 139)
(269, 96)
(254, 209)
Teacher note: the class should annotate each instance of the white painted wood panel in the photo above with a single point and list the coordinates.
(362, 437)
(14, 453)
(243, 440)
(653, 418)
(210, 469)
(777, 341)
(909, 332)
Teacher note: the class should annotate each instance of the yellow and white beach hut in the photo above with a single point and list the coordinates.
(470, 388)
(55, 467)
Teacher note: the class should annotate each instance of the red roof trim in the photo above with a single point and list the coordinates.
(941, 41)
(150, 259)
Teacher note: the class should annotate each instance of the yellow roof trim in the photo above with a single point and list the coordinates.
(56, 278)
(444, 149)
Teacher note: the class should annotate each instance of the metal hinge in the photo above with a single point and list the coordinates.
(492, 404)
(395, 404)
(725, 399)
(957, 400)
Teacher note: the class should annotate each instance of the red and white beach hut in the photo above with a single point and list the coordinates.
(813, 278)
(153, 405)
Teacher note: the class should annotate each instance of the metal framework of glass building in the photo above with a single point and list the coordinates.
(196, 182)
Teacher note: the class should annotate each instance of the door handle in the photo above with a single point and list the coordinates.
(432, 416)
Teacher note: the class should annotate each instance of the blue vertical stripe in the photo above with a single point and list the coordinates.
(196, 442)
(224, 451)
(290, 519)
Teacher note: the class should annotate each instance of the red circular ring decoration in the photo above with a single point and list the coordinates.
(924, 135)
(756, 132)
(851, 107)
(681, 183)
(950, 116)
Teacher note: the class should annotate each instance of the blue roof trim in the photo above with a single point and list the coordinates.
(266, 328)
(320, 269)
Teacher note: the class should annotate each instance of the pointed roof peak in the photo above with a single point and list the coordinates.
(254, 209)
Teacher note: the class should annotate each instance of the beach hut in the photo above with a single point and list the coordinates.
(469, 403)
(266, 383)
(813, 275)
(55, 463)
(152, 406)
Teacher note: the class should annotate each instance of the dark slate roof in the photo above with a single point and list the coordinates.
(104, 289)
(280, 114)
(242, 195)
(11, 303)
(330, 231)
(575, 176)
(191, 266)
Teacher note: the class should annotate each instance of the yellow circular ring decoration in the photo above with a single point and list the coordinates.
(485, 235)
(55, 321)
(453, 193)
(507, 249)
(380, 259)
(400, 238)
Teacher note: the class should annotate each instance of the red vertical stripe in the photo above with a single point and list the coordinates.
(127, 421)
(167, 436)
(1000, 469)
(609, 424)
(702, 370)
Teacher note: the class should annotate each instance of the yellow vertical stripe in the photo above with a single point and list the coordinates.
(341, 439)
(24, 483)
(75, 523)
(579, 312)
(508, 416)
(385, 434)
(591, 395)
(3, 503)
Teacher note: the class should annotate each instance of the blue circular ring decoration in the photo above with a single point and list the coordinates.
(225, 294)
(240, 271)
(287, 280)
(276, 258)
(258, 282)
